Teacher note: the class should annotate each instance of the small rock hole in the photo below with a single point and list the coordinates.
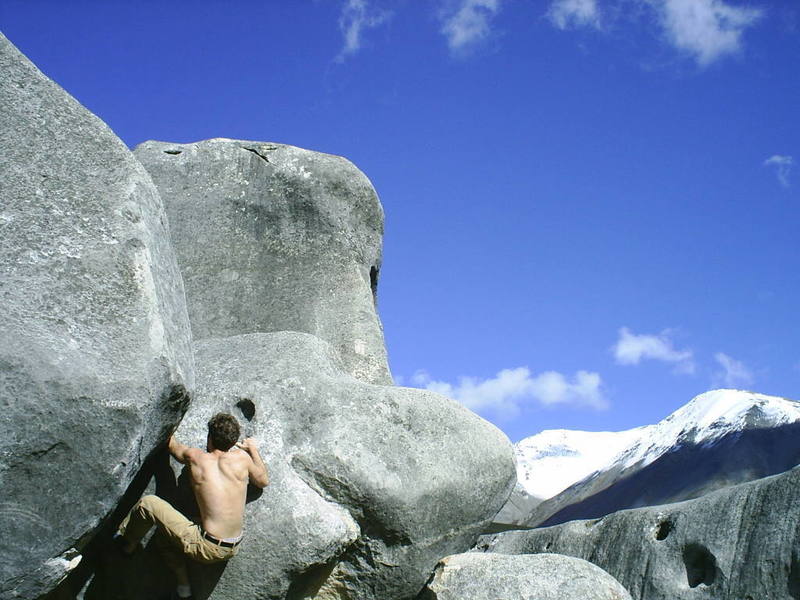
(664, 529)
(373, 282)
(793, 584)
(701, 566)
(173, 152)
(247, 407)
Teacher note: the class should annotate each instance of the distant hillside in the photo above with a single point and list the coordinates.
(720, 438)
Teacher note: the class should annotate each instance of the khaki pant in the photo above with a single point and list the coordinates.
(176, 537)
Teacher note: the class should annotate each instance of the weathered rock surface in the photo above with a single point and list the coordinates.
(371, 485)
(275, 238)
(741, 542)
(520, 577)
(95, 355)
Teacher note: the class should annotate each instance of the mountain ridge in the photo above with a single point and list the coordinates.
(720, 438)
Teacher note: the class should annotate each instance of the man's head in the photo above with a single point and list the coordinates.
(223, 431)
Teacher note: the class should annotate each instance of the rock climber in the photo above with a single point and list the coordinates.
(219, 477)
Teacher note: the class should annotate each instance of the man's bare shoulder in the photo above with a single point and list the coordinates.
(236, 462)
(238, 456)
(195, 455)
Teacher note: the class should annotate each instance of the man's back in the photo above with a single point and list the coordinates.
(220, 480)
(219, 476)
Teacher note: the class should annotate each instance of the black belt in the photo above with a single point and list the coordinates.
(218, 541)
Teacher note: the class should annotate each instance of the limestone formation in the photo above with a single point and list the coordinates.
(739, 543)
(95, 356)
(521, 577)
(371, 485)
(275, 238)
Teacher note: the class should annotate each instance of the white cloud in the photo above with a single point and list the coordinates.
(782, 164)
(734, 373)
(705, 29)
(512, 389)
(468, 22)
(574, 13)
(631, 349)
(356, 17)
(421, 378)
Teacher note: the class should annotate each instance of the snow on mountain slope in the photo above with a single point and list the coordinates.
(707, 418)
(553, 460)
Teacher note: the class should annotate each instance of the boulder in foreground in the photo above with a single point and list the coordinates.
(95, 358)
(371, 485)
(474, 576)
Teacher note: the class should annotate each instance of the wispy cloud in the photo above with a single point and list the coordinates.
(466, 23)
(512, 389)
(574, 13)
(783, 165)
(356, 17)
(733, 373)
(631, 349)
(707, 30)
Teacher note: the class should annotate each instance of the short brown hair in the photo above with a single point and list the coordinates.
(223, 429)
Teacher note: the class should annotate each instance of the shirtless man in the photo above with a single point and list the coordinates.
(219, 479)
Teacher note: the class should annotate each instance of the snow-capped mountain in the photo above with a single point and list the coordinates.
(720, 438)
(553, 460)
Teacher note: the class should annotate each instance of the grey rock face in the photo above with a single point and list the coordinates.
(95, 355)
(521, 577)
(275, 238)
(737, 543)
(371, 485)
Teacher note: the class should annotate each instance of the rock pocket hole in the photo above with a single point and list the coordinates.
(247, 408)
(701, 566)
(373, 281)
(793, 584)
(173, 152)
(664, 529)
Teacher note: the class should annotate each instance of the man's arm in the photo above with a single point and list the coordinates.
(257, 470)
(181, 452)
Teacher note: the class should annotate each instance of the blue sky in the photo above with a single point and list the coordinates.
(591, 206)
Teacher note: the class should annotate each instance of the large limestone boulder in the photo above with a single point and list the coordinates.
(371, 485)
(275, 238)
(741, 542)
(521, 577)
(95, 355)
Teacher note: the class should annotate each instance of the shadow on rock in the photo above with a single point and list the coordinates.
(106, 574)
